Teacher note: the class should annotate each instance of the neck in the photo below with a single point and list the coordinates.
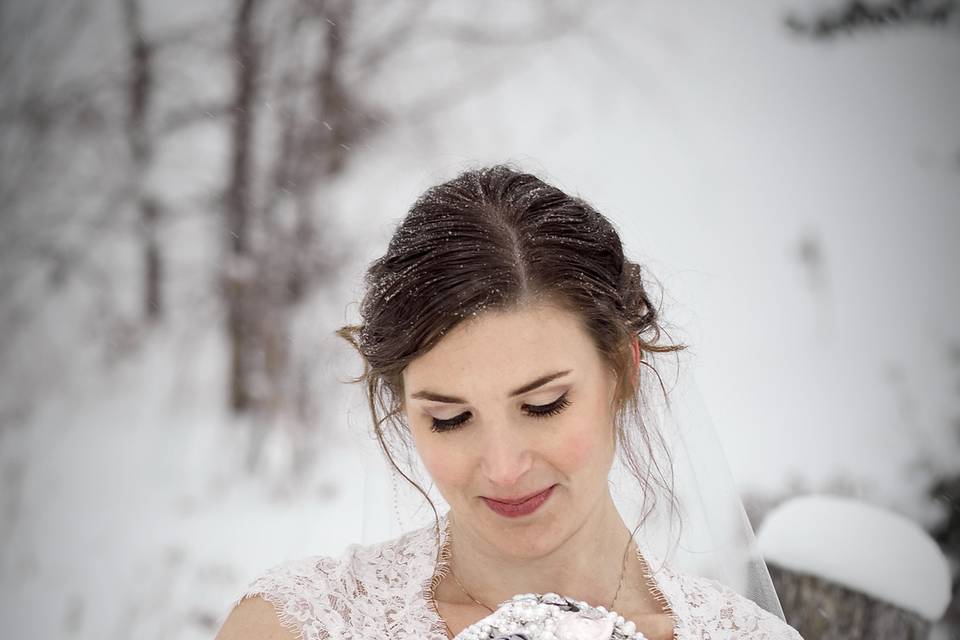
(588, 565)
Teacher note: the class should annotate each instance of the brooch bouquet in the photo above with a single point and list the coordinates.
(530, 616)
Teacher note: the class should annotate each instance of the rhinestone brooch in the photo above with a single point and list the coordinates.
(529, 616)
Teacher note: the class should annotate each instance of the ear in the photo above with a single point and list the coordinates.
(635, 348)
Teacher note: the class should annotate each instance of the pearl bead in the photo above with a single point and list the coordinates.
(542, 618)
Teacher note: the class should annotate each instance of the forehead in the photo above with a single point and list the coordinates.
(498, 350)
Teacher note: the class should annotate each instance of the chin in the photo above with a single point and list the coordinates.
(536, 545)
(524, 538)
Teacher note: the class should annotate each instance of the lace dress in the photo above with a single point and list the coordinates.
(383, 591)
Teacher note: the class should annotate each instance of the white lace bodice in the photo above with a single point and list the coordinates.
(383, 591)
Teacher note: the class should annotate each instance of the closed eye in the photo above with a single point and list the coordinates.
(439, 425)
(448, 424)
(546, 410)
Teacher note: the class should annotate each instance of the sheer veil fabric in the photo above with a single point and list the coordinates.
(707, 534)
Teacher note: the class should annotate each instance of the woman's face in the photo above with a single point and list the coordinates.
(512, 414)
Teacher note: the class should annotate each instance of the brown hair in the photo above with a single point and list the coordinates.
(495, 239)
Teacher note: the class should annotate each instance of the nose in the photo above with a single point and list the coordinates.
(506, 457)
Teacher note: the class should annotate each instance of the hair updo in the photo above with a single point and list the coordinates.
(497, 239)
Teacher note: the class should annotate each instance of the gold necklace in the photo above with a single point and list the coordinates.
(616, 594)
(467, 593)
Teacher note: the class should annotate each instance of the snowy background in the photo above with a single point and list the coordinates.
(796, 193)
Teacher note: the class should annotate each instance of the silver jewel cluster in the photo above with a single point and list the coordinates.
(529, 616)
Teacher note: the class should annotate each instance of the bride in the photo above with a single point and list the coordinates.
(507, 339)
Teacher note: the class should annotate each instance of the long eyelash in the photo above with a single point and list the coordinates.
(450, 424)
(532, 410)
(546, 410)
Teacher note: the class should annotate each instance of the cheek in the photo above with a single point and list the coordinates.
(586, 446)
(589, 441)
(444, 466)
(441, 469)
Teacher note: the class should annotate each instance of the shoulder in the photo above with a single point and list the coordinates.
(255, 619)
(709, 608)
(283, 602)
(321, 597)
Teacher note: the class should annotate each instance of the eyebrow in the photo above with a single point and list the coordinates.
(530, 386)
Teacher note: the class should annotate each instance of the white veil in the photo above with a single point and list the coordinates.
(710, 536)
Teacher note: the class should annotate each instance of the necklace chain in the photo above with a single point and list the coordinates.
(616, 594)
(468, 594)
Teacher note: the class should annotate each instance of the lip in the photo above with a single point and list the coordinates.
(517, 507)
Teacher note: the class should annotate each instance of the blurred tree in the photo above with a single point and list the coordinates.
(303, 73)
(79, 134)
(303, 76)
(60, 186)
(141, 141)
(293, 120)
(945, 491)
(856, 15)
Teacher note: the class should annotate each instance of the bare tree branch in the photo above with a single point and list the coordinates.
(192, 115)
(206, 34)
(395, 38)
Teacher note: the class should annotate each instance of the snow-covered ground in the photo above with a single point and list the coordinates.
(719, 143)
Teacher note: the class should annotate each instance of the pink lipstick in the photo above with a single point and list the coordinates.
(521, 506)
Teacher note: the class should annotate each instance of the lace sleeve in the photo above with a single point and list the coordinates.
(717, 611)
(300, 592)
(370, 593)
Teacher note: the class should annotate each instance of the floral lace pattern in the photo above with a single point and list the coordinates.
(383, 591)
(705, 608)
